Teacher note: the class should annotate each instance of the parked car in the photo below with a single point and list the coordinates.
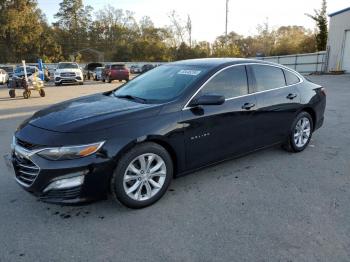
(89, 70)
(115, 72)
(68, 73)
(169, 121)
(4, 77)
(9, 70)
(135, 69)
(147, 67)
(97, 74)
(19, 71)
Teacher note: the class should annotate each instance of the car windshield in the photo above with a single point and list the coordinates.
(67, 66)
(28, 69)
(161, 84)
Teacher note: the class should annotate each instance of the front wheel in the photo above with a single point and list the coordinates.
(42, 92)
(300, 134)
(26, 94)
(142, 175)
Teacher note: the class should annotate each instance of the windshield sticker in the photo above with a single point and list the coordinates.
(189, 72)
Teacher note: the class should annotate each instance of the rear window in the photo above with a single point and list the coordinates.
(118, 67)
(268, 77)
(291, 78)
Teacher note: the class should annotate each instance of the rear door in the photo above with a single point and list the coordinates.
(213, 132)
(277, 100)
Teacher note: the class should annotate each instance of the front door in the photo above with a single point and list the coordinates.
(213, 132)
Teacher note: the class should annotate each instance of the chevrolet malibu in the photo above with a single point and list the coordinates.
(177, 118)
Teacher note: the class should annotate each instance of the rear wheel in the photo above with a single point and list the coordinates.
(12, 93)
(142, 175)
(300, 134)
(103, 80)
(109, 80)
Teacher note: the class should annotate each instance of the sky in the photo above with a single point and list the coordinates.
(208, 17)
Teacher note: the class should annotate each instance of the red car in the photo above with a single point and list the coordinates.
(115, 72)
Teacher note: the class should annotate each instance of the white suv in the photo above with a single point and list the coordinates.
(68, 72)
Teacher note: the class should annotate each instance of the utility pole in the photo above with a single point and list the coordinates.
(226, 17)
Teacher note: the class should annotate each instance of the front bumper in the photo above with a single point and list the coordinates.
(34, 174)
(68, 80)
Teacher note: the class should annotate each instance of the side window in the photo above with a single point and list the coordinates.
(268, 77)
(229, 83)
(291, 78)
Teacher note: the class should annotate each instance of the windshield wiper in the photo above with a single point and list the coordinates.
(131, 97)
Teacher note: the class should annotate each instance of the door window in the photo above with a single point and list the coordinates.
(231, 82)
(268, 77)
(291, 78)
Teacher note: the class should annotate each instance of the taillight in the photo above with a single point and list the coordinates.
(323, 91)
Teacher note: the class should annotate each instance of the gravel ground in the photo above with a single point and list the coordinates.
(268, 206)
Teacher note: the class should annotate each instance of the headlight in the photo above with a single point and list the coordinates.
(70, 152)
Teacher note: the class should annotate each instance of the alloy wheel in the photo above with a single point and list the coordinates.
(144, 176)
(302, 132)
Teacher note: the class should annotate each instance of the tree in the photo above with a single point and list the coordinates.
(20, 30)
(320, 17)
(74, 19)
(226, 46)
(293, 39)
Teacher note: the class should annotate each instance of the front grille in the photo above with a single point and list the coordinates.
(26, 170)
(62, 194)
(68, 74)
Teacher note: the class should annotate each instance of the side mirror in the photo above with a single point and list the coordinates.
(208, 100)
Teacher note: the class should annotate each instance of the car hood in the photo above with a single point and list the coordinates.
(90, 113)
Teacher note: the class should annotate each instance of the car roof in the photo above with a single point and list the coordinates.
(215, 62)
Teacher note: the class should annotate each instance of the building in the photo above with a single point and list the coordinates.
(339, 40)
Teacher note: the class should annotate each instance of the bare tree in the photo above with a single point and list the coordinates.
(177, 27)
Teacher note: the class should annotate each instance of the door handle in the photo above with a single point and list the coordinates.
(248, 106)
(291, 96)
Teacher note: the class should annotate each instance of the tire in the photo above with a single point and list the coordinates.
(120, 80)
(103, 80)
(297, 141)
(127, 80)
(42, 92)
(26, 94)
(57, 84)
(138, 198)
(109, 80)
(81, 83)
(12, 93)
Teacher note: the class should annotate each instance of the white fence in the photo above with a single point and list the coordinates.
(303, 63)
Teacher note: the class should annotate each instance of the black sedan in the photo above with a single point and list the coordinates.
(174, 119)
